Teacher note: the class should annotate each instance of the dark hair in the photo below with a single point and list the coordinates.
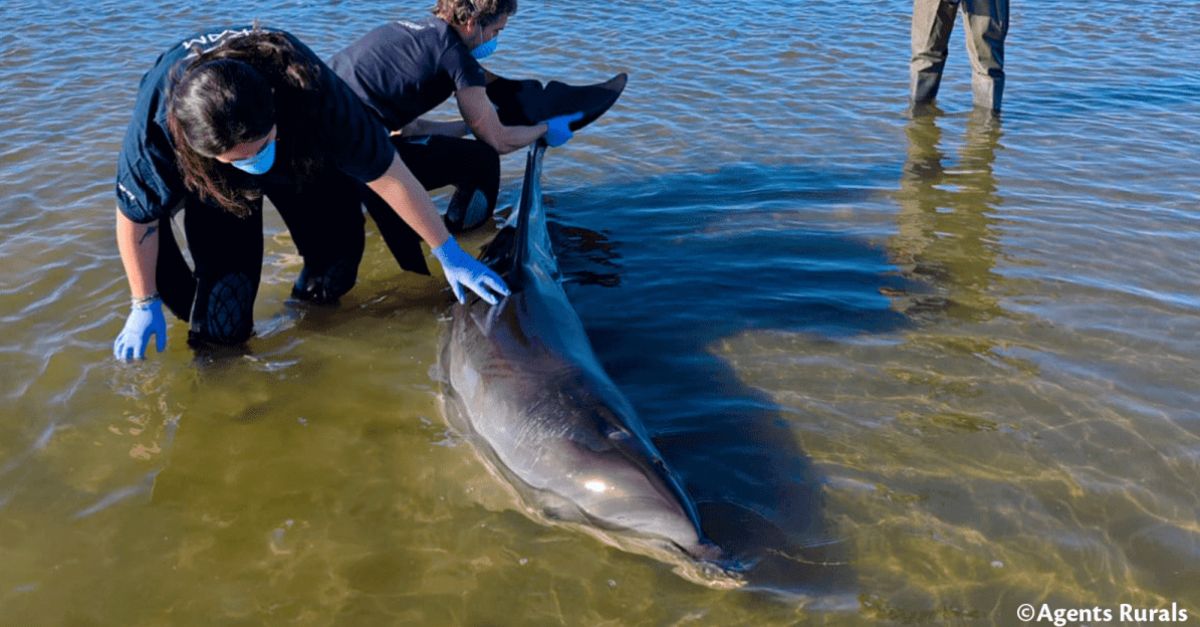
(221, 103)
(227, 96)
(484, 12)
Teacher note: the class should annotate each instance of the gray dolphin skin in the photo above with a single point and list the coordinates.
(522, 383)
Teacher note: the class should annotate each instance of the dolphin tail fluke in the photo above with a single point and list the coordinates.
(527, 102)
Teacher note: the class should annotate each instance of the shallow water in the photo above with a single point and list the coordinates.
(952, 359)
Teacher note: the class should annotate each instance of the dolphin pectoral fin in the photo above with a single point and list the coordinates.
(555, 513)
(557, 508)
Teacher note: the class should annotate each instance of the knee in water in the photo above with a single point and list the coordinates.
(230, 310)
(327, 286)
(467, 210)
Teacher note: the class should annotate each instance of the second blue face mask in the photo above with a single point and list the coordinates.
(259, 163)
(485, 49)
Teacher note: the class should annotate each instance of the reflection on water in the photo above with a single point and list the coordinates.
(945, 237)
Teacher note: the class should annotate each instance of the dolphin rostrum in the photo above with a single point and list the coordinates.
(521, 383)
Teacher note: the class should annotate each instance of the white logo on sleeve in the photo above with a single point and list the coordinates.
(128, 194)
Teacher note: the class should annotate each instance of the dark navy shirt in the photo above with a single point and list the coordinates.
(149, 185)
(403, 69)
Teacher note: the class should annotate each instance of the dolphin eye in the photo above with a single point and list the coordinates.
(618, 434)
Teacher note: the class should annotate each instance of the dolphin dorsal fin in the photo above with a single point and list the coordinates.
(532, 236)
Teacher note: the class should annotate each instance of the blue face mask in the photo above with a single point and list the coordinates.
(485, 49)
(259, 163)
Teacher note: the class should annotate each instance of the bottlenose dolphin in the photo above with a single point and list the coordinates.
(522, 384)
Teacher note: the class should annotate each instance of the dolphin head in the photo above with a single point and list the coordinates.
(625, 486)
(623, 496)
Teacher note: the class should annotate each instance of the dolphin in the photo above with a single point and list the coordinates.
(521, 383)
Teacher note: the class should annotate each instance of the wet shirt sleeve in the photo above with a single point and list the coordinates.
(148, 184)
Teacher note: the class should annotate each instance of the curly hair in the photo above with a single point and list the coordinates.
(484, 12)
(227, 96)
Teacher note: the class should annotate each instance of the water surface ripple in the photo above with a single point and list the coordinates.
(925, 370)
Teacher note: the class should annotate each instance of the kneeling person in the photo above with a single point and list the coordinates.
(223, 119)
(402, 70)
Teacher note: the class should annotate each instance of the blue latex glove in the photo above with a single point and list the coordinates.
(145, 319)
(462, 269)
(557, 129)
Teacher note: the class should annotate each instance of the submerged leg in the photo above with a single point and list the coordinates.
(470, 165)
(326, 222)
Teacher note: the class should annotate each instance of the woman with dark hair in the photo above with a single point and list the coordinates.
(222, 120)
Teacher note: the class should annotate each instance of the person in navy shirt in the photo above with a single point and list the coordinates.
(402, 70)
(223, 119)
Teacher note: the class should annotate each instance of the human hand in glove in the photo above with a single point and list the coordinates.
(462, 270)
(558, 129)
(145, 319)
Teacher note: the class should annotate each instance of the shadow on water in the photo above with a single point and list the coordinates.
(655, 322)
